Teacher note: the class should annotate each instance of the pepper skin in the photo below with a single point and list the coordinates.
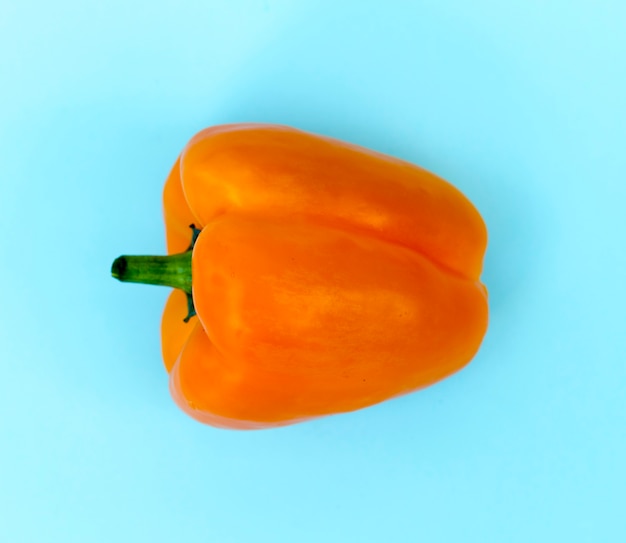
(325, 277)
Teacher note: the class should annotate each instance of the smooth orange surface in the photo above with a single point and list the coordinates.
(326, 278)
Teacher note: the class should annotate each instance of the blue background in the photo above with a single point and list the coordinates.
(521, 104)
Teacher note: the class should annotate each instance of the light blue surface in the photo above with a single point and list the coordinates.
(521, 104)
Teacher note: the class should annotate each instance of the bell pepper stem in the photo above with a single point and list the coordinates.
(169, 271)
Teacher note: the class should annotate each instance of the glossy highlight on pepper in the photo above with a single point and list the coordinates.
(319, 278)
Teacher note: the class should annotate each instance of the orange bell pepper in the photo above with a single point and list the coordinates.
(322, 277)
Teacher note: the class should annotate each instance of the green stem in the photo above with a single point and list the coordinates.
(169, 271)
